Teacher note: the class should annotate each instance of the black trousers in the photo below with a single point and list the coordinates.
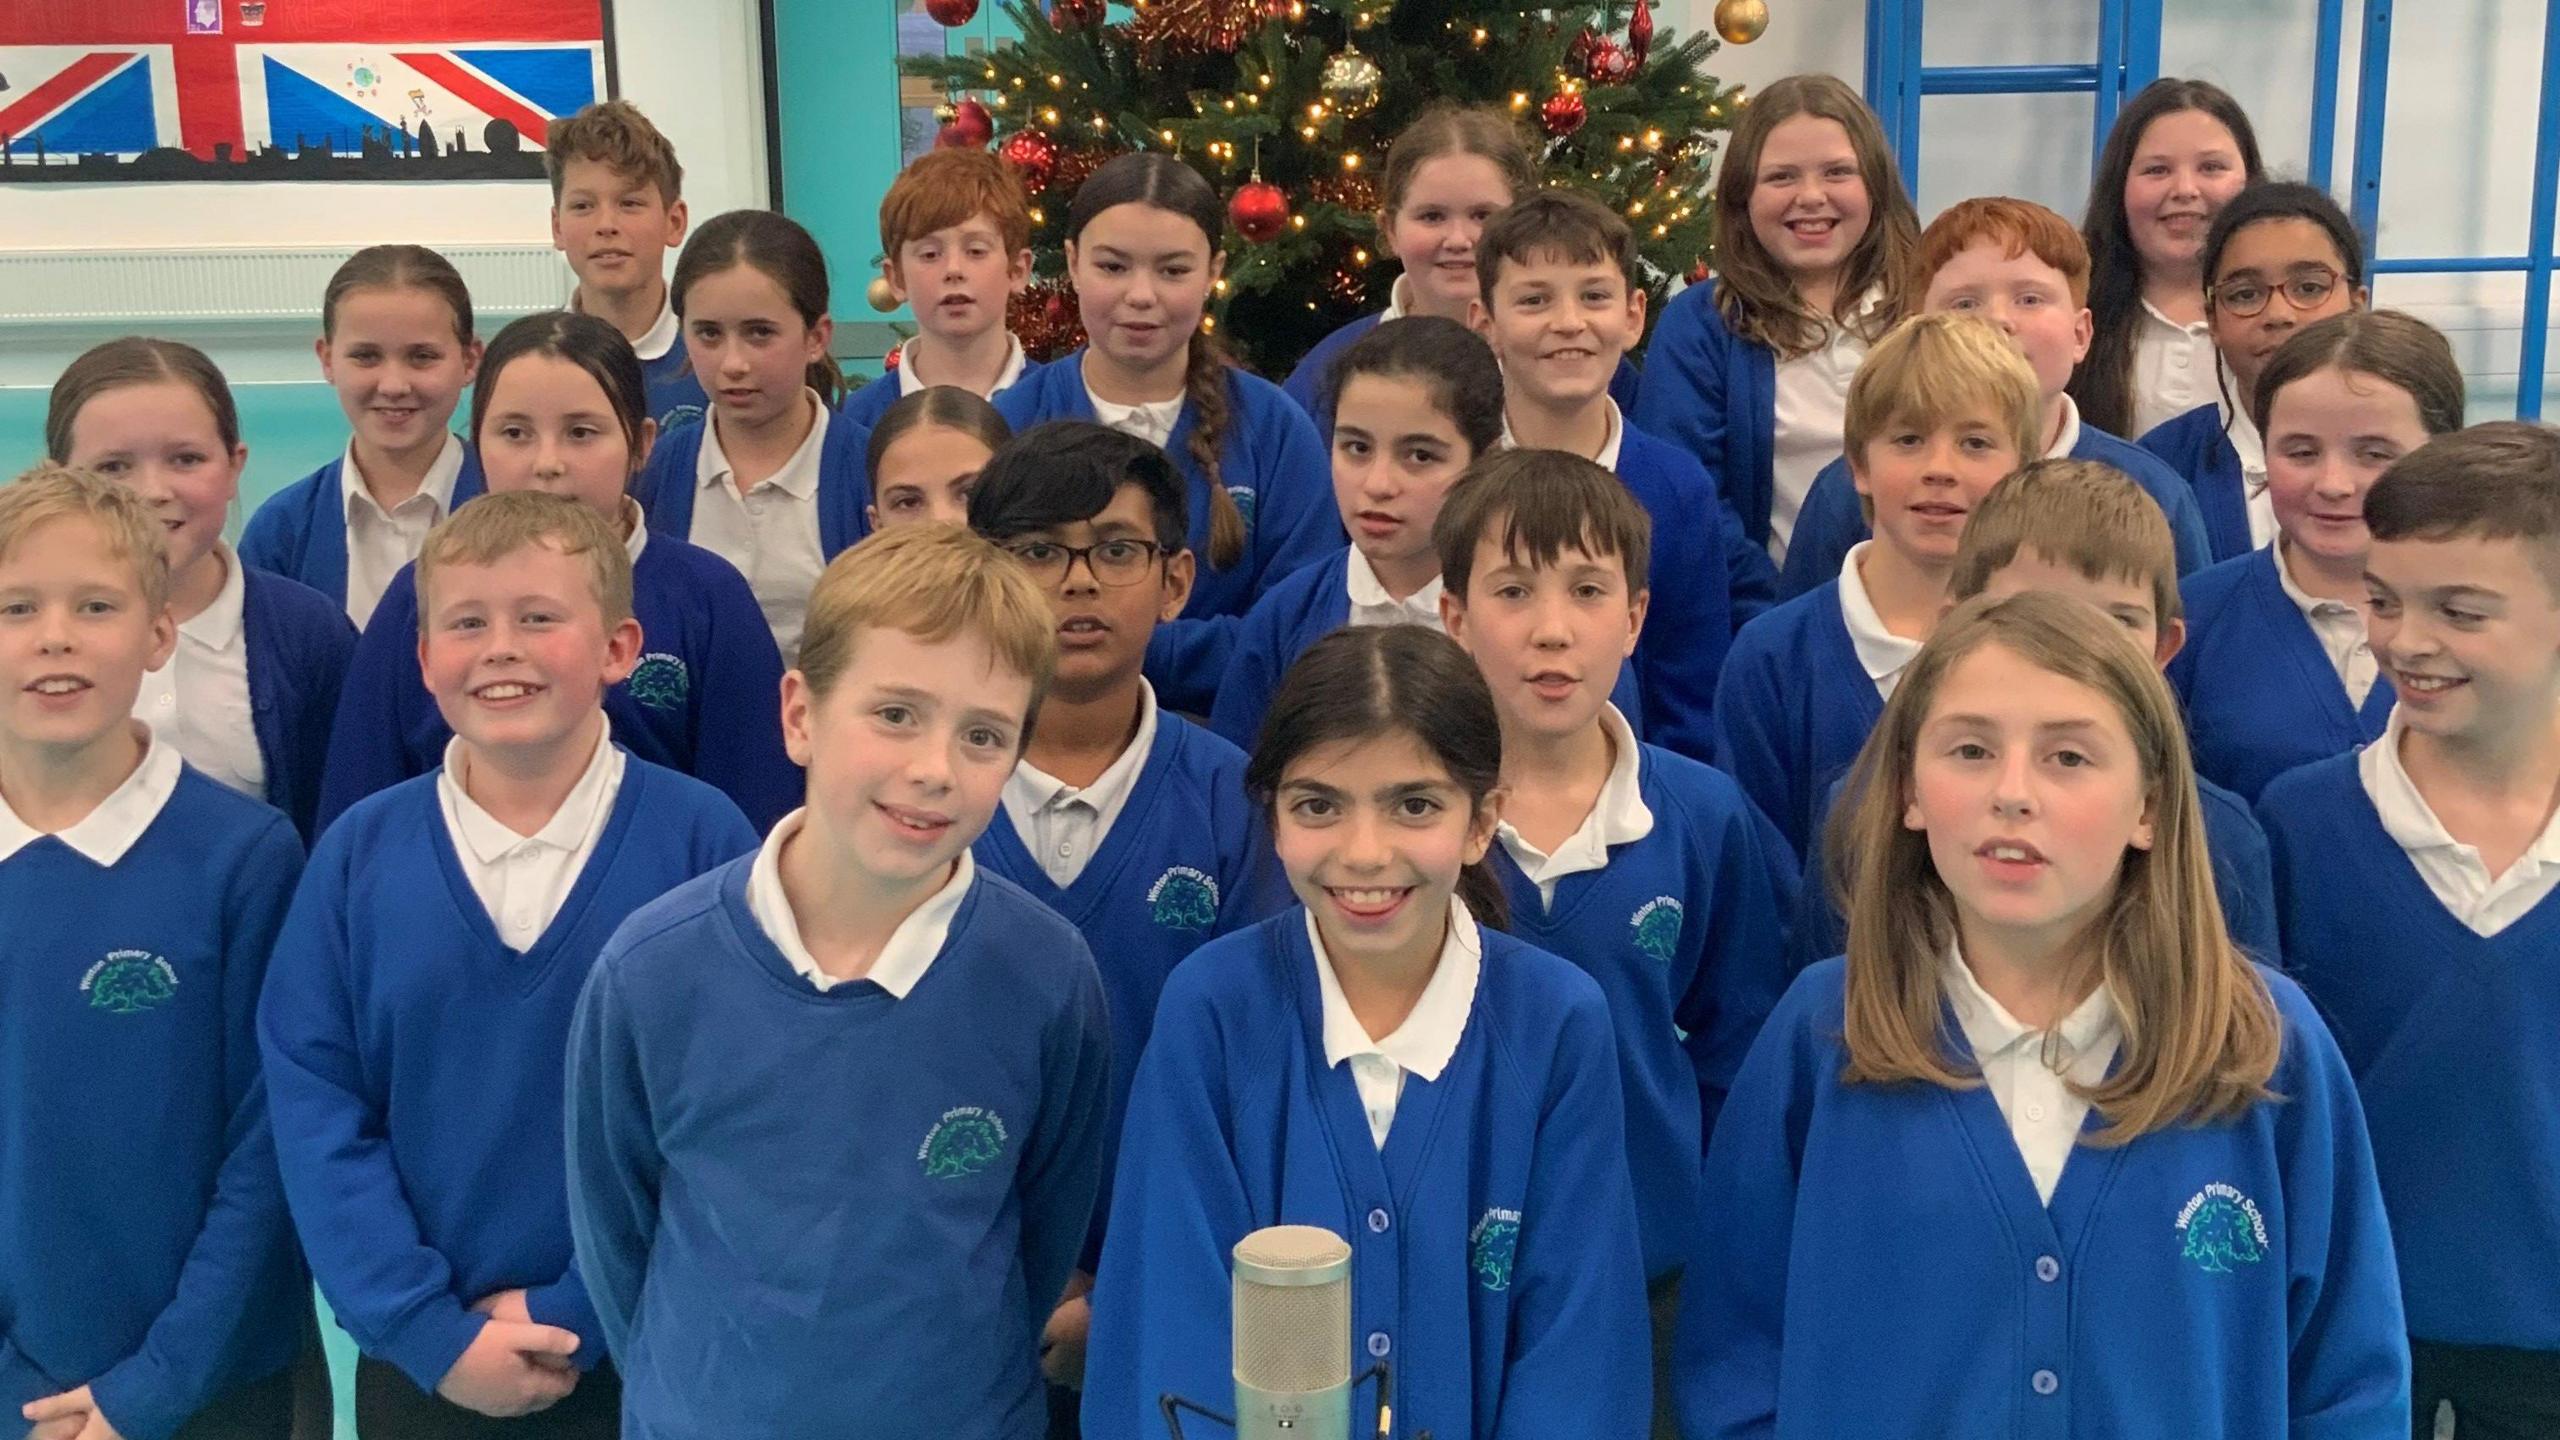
(389, 1406)
(2496, 1393)
(259, 1410)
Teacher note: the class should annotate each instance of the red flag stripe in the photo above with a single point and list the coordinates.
(488, 98)
(82, 73)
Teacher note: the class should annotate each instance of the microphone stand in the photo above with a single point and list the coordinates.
(1173, 1405)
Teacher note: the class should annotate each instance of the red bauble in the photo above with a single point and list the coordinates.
(1609, 63)
(952, 12)
(1577, 52)
(1033, 156)
(971, 126)
(1698, 273)
(1640, 31)
(1563, 114)
(1260, 211)
(889, 362)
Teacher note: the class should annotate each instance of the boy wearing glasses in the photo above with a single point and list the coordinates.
(1127, 820)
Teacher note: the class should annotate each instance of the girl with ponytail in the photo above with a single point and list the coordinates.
(1142, 252)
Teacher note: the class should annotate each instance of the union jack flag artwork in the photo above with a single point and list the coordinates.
(109, 90)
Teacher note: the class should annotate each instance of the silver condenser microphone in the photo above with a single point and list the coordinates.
(1293, 1335)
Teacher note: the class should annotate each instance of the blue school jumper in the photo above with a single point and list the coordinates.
(666, 486)
(865, 406)
(704, 700)
(1830, 525)
(1793, 711)
(2260, 694)
(299, 645)
(2449, 1036)
(1684, 931)
(1715, 395)
(1189, 859)
(1879, 1262)
(415, 1061)
(2198, 447)
(795, 1208)
(300, 532)
(1495, 1261)
(1274, 464)
(144, 1246)
(675, 395)
(1306, 383)
(1310, 604)
(1708, 580)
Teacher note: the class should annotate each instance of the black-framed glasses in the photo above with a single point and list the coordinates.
(1112, 562)
(2303, 287)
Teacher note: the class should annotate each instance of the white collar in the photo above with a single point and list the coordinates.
(2313, 607)
(489, 838)
(1882, 653)
(1610, 444)
(1395, 300)
(909, 382)
(2407, 817)
(1430, 1034)
(1618, 815)
(217, 626)
(662, 335)
(107, 832)
(437, 485)
(637, 539)
(1152, 421)
(798, 477)
(2245, 439)
(2067, 438)
(911, 948)
(2200, 329)
(1990, 1029)
(1368, 592)
(1031, 790)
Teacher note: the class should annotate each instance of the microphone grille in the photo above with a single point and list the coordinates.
(1292, 1309)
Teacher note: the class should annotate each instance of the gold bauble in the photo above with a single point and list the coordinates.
(1351, 82)
(1741, 21)
(882, 295)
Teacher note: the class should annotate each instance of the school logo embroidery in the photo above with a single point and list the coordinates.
(660, 681)
(129, 982)
(965, 1141)
(2223, 1229)
(1491, 1246)
(1657, 927)
(1246, 501)
(1184, 899)
(678, 417)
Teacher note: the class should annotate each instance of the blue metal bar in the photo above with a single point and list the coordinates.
(2009, 79)
(2324, 92)
(2451, 265)
(2373, 87)
(2546, 196)
(2110, 74)
(1912, 28)
(2141, 48)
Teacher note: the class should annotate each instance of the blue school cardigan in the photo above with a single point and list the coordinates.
(2199, 449)
(299, 643)
(666, 487)
(865, 406)
(1714, 394)
(301, 530)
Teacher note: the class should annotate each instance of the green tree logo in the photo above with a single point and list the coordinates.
(1246, 503)
(660, 682)
(2222, 1230)
(129, 982)
(963, 1142)
(1657, 927)
(1491, 1247)
(677, 419)
(1184, 899)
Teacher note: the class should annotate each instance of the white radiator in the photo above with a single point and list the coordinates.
(176, 289)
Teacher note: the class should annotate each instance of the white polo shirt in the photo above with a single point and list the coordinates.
(1152, 422)
(909, 382)
(1613, 441)
(379, 542)
(199, 701)
(104, 834)
(1618, 816)
(523, 880)
(2339, 627)
(2172, 369)
(911, 947)
(2030, 1072)
(1812, 407)
(771, 532)
(1883, 654)
(1372, 605)
(1421, 1045)
(2456, 874)
(1063, 826)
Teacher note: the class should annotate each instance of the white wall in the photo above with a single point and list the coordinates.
(2457, 166)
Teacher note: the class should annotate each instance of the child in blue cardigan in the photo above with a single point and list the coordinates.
(559, 409)
(2422, 911)
(2043, 1137)
(617, 205)
(956, 227)
(1128, 821)
(1750, 372)
(1259, 504)
(925, 455)
(416, 1013)
(148, 1281)
(1939, 414)
(1383, 1062)
(249, 696)
(1646, 869)
(2025, 269)
(2279, 257)
(1560, 303)
(2280, 672)
(836, 1109)
(772, 481)
(396, 344)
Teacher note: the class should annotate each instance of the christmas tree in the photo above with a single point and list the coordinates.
(1288, 107)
